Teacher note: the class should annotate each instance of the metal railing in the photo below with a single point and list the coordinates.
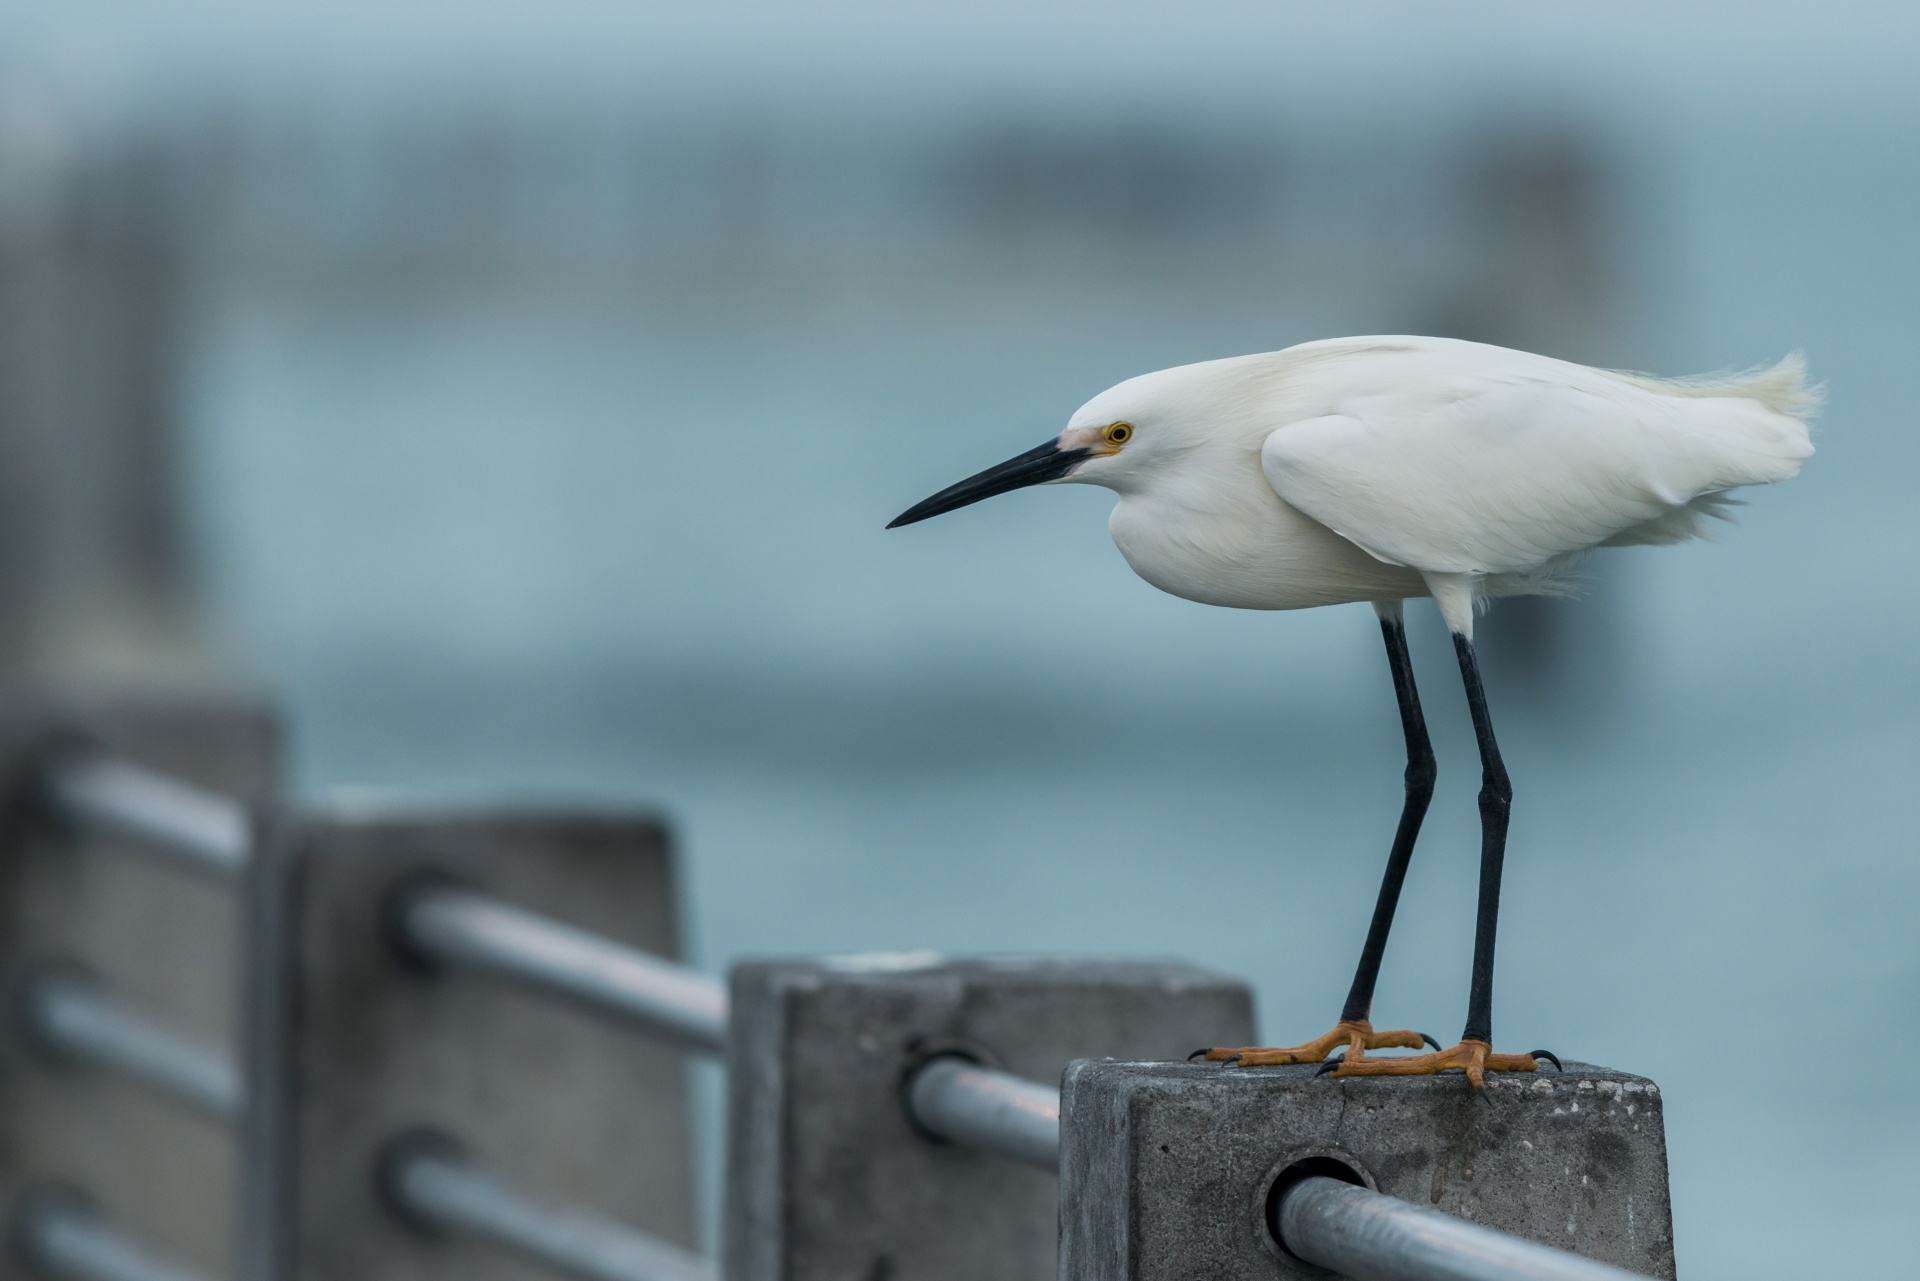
(430, 1181)
(1363, 1234)
(63, 1234)
(462, 927)
(953, 1098)
(1351, 1230)
(74, 1016)
(70, 1013)
(989, 1110)
(446, 923)
(203, 829)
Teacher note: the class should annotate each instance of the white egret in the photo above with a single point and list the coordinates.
(1384, 468)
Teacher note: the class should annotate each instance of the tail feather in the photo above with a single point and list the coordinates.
(1757, 434)
(1678, 524)
(1781, 387)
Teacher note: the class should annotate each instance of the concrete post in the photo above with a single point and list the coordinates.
(96, 580)
(154, 934)
(354, 1042)
(827, 1178)
(1169, 1170)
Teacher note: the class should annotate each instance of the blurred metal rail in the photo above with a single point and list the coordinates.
(203, 829)
(71, 1013)
(63, 1234)
(961, 1101)
(463, 927)
(452, 925)
(988, 1110)
(432, 1184)
(1363, 1234)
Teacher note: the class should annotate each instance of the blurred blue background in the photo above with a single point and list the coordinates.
(518, 394)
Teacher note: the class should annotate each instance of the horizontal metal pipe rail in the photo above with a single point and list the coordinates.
(464, 927)
(203, 829)
(432, 1184)
(451, 925)
(1363, 1234)
(61, 1233)
(72, 1014)
(988, 1110)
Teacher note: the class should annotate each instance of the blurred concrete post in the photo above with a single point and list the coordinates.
(1543, 272)
(355, 1040)
(1541, 277)
(94, 579)
(827, 1178)
(1168, 1170)
(162, 938)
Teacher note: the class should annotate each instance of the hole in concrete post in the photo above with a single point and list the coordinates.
(389, 1171)
(35, 1204)
(1326, 1164)
(401, 893)
(923, 1050)
(29, 1001)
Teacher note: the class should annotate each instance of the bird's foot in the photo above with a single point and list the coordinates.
(1475, 1058)
(1356, 1035)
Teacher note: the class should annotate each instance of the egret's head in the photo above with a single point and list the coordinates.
(1099, 447)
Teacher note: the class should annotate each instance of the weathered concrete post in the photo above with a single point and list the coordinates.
(1171, 1170)
(827, 1178)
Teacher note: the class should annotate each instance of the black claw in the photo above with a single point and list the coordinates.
(1437, 1047)
(1331, 1065)
(1549, 1056)
(1201, 1052)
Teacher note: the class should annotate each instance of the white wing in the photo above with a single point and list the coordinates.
(1499, 475)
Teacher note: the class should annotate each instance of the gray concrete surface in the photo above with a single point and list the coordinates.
(1167, 1168)
(827, 1179)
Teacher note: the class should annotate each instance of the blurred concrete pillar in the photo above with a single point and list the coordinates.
(1538, 264)
(94, 577)
(1537, 277)
(162, 938)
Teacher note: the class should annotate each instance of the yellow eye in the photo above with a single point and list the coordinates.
(1118, 433)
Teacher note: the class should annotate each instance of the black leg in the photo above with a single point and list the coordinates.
(1496, 802)
(1420, 775)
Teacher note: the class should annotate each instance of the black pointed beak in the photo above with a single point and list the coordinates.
(1035, 467)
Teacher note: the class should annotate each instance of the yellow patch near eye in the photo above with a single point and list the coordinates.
(1118, 433)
